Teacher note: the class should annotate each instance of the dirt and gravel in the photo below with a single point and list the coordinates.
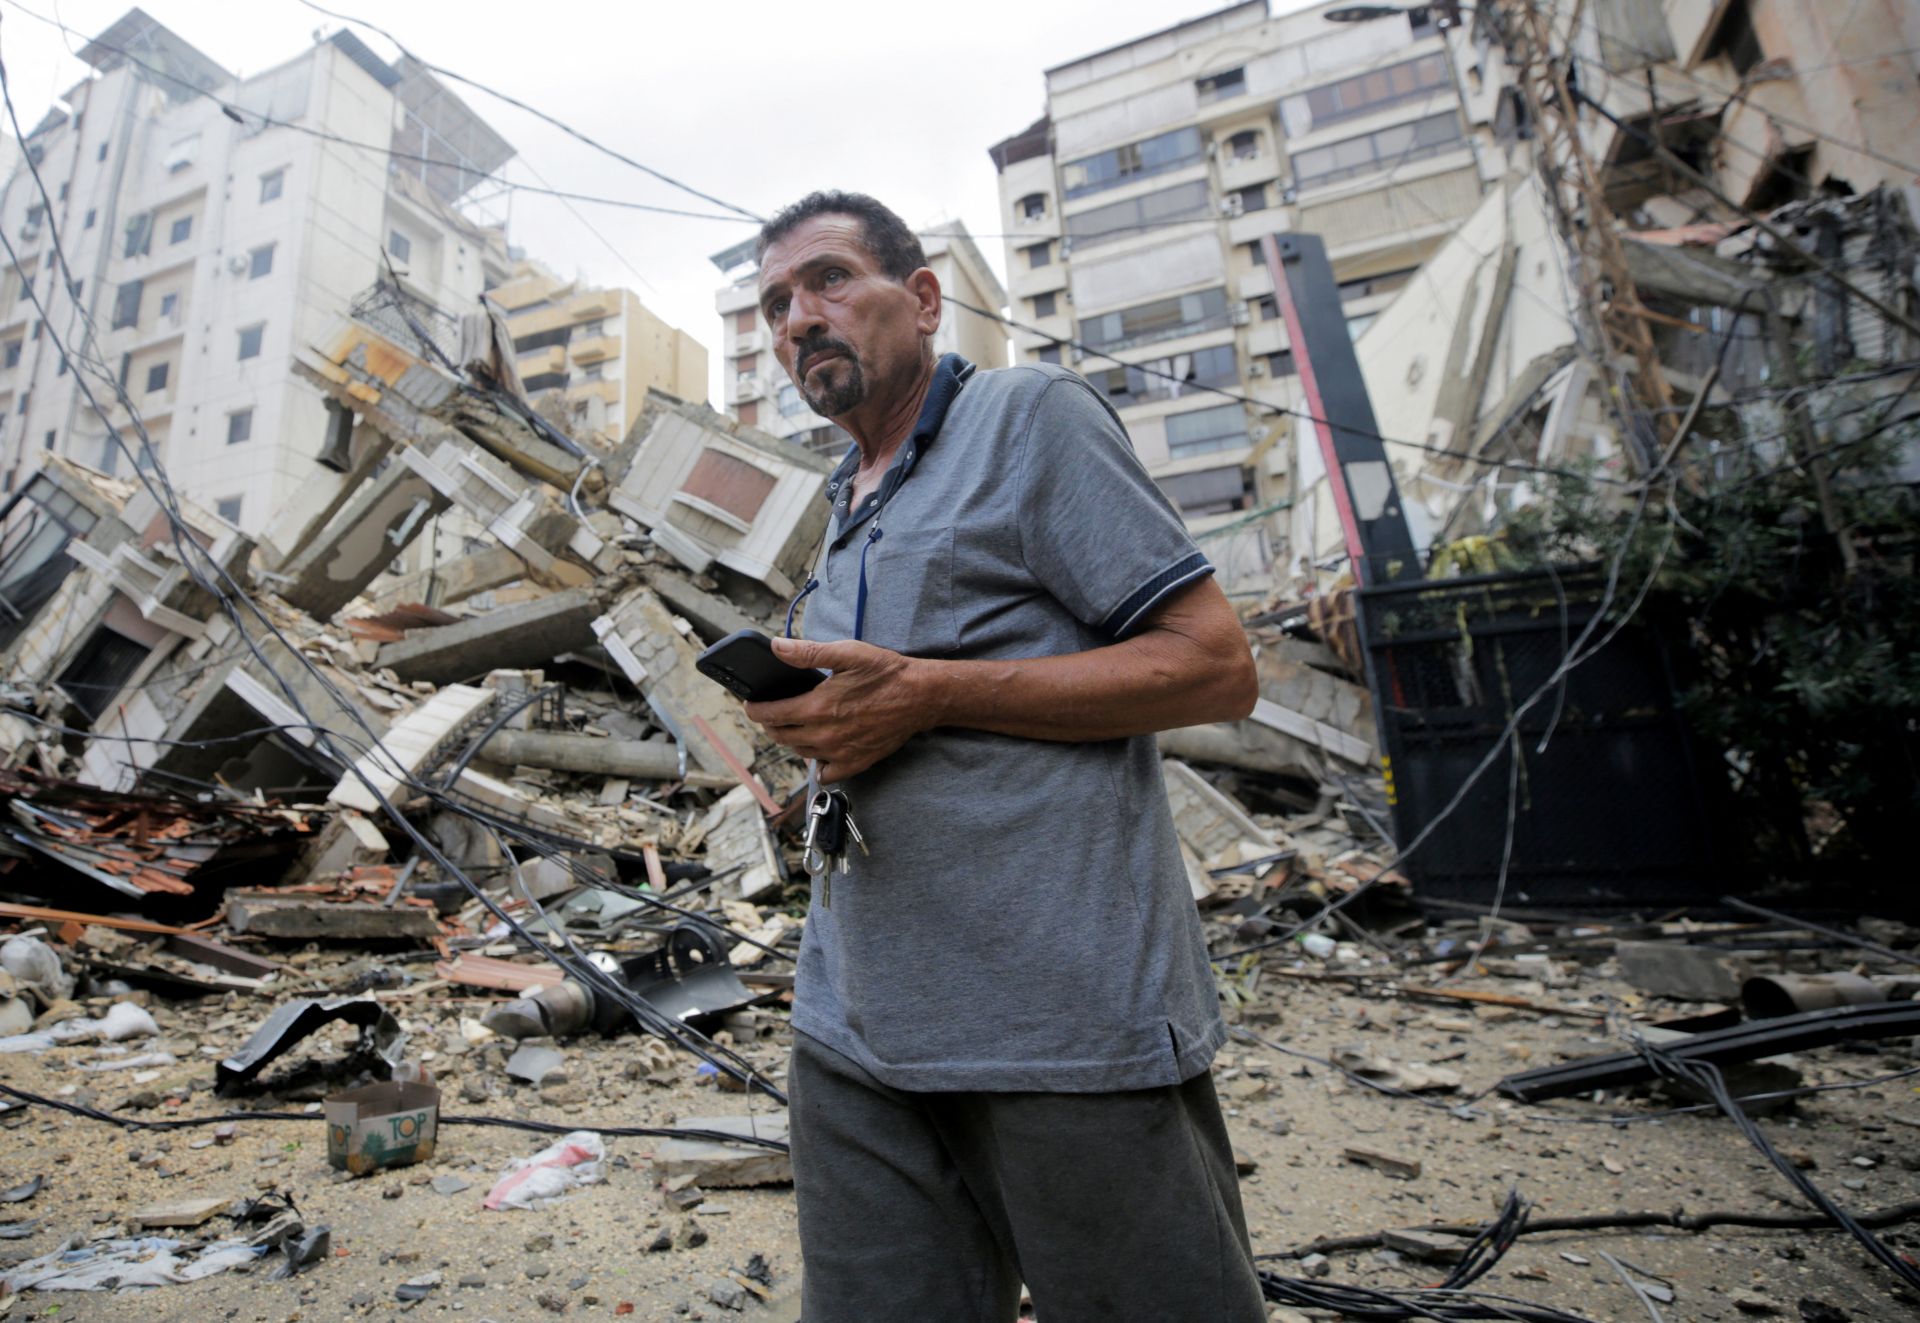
(602, 1251)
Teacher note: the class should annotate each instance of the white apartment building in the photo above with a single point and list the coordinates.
(206, 246)
(754, 385)
(1140, 197)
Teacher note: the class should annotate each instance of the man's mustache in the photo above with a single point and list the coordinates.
(812, 349)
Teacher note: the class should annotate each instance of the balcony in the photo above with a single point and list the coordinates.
(746, 386)
(608, 391)
(543, 361)
(594, 303)
(527, 290)
(595, 349)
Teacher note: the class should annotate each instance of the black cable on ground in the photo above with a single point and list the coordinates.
(1449, 1300)
(1706, 1076)
(446, 1118)
(1891, 1215)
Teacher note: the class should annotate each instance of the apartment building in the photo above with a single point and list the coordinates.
(1139, 198)
(207, 243)
(755, 386)
(601, 349)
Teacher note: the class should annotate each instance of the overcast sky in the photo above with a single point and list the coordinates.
(752, 102)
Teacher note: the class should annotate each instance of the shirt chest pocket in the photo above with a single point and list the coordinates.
(910, 605)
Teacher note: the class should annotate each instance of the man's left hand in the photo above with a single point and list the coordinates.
(866, 710)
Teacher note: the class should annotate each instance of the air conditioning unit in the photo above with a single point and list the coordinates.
(1239, 315)
(237, 264)
(1257, 368)
(1232, 205)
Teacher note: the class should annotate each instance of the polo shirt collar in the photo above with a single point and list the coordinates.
(949, 375)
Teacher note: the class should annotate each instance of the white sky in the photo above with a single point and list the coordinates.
(754, 102)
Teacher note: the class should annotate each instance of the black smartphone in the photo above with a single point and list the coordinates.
(744, 663)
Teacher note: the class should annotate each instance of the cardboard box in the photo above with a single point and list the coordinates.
(382, 1125)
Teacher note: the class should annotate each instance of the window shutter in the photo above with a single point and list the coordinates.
(731, 484)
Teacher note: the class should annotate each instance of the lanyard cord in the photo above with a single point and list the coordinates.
(860, 596)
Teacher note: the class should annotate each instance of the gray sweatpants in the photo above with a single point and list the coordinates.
(1113, 1207)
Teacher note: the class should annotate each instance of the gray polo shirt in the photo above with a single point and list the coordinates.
(1023, 919)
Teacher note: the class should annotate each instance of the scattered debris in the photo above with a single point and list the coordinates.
(551, 1173)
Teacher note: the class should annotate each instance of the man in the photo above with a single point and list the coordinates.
(1003, 1013)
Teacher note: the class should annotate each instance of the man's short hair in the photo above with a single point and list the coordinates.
(892, 244)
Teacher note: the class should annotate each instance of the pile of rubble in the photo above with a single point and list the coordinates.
(288, 835)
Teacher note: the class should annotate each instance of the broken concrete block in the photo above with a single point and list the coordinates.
(736, 835)
(360, 541)
(302, 918)
(420, 738)
(644, 640)
(524, 635)
(1400, 1168)
(189, 1213)
(1686, 973)
(1429, 1245)
(715, 1165)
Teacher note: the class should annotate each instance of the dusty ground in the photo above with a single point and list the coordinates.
(589, 1256)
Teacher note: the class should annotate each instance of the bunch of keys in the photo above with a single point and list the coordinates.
(829, 827)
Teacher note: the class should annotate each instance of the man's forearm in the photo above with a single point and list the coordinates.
(1153, 682)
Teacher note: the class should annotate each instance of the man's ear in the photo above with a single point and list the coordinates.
(925, 288)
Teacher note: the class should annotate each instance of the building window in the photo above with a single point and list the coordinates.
(228, 509)
(1256, 252)
(63, 190)
(749, 413)
(47, 442)
(1220, 86)
(728, 483)
(1032, 207)
(239, 426)
(1116, 220)
(545, 381)
(743, 321)
(744, 365)
(170, 309)
(93, 214)
(1044, 305)
(1169, 378)
(271, 184)
(1050, 354)
(156, 377)
(139, 235)
(1280, 363)
(1267, 307)
(788, 400)
(13, 353)
(1362, 94)
(1420, 20)
(1252, 198)
(399, 247)
(1244, 145)
(1162, 319)
(250, 337)
(260, 262)
(1365, 287)
(1208, 492)
(1137, 160)
(181, 230)
(1038, 255)
(594, 373)
(559, 335)
(126, 304)
(101, 155)
(1222, 427)
(26, 397)
(1382, 149)
(1358, 325)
